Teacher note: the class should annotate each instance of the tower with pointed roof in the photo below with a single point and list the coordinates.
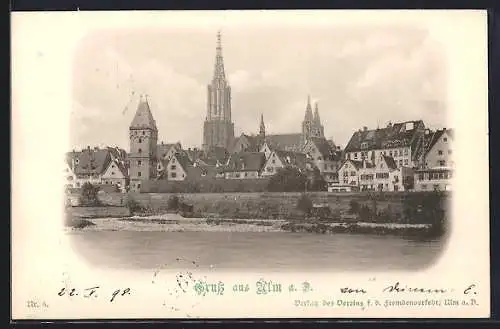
(218, 129)
(318, 129)
(311, 126)
(262, 128)
(143, 136)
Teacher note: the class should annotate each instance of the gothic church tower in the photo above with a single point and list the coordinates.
(218, 129)
(311, 126)
(143, 136)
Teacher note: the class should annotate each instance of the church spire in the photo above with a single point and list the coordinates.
(262, 130)
(309, 114)
(219, 73)
(316, 113)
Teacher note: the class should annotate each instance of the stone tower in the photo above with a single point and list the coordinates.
(311, 126)
(218, 129)
(143, 136)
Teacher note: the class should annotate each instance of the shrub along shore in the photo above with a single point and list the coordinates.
(378, 213)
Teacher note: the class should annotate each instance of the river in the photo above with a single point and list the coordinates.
(280, 251)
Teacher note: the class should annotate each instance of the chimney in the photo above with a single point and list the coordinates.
(88, 148)
(365, 128)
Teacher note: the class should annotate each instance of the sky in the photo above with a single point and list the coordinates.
(360, 76)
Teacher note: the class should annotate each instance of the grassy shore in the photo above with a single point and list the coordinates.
(172, 222)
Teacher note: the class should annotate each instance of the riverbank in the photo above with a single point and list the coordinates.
(176, 223)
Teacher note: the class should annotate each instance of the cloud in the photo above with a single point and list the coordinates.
(361, 77)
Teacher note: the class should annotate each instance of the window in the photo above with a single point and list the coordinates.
(390, 153)
(421, 176)
(364, 145)
(112, 166)
(406, 162)
(112, 173)
(353, 173)
(173, 175)
(319, 158)
(173, 167)
(269, 169)
(237, 175)
(140, 140)
(346, 173)
(273, 161)
(445, 139)
(400, 162)
(139, 186)
(143, 133)
(440, 152)
(139, 150)
(183, 175)
(246, 174)
(139, 163)
(442, 163)
(139, 174)
(355, 155)
(424, 186)
(405, 151)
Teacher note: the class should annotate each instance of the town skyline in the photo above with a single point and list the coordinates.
(406, 66)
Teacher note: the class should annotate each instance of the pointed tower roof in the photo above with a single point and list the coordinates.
(316, 113)
(219, 73)
(309, 114)
(143, 117)
(262, 129)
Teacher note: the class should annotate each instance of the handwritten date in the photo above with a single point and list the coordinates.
(93, 292)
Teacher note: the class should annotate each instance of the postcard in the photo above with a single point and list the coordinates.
(250, 164)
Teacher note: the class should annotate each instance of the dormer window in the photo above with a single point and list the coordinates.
(364, 145)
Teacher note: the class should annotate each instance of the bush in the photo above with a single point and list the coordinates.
(133, 205)
(353, 207)
(287, 180)
(304, 204)
(88, 195)
(173, 202)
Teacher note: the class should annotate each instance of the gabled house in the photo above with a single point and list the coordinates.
(439, 149)
(176, 169)
(244, 165)
(116, 174)
(165, 151)
(324, 156)
(402, 141)
(246, 143)
(280, 159)
(95, 166)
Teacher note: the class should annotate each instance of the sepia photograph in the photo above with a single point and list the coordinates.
(222, 145)
(273, 154)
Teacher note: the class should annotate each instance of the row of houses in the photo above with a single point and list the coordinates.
(402, 156)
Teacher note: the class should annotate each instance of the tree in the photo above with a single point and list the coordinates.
(317, 182)
(88, 195)
(304, 204)
(287, 179)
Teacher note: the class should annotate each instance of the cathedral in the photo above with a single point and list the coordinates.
(218, 129)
